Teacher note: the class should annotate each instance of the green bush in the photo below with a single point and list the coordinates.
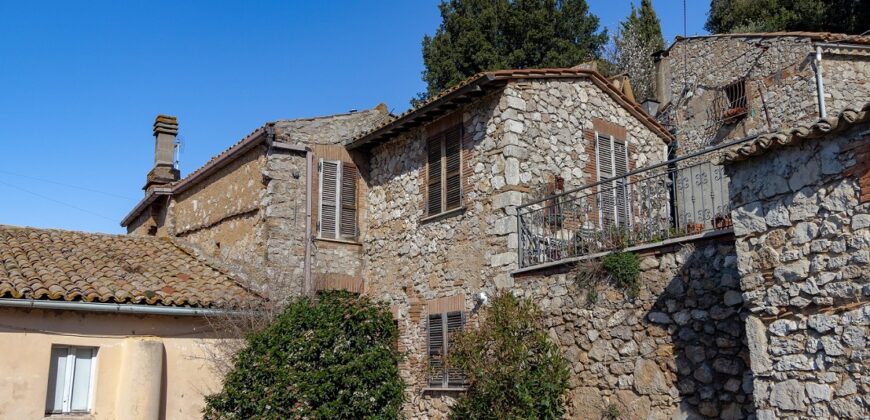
(330, 357)
(514, 369)
(624, 268)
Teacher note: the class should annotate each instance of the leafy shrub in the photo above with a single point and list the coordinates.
(624, 268)
(331, 357)
(515, 370)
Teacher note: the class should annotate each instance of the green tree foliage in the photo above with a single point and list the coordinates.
(515, 370)
(846, 16)
(332, 357)
(483, 35)
(639, 36)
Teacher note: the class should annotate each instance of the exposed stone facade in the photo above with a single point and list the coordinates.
(674, 351)
(803, 235)
(251, 211)
(780, 85)
(515, 140)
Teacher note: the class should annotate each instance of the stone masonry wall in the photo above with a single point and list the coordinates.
(803, 235)
(514, 142)
(222, 215)
(780, 85)
(675, 351)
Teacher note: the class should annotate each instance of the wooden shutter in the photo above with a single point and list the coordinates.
(436, 346)
(606, 200)
(329, 176)
(455, 322)
(433, 163)
(453, 168)
(347, 216)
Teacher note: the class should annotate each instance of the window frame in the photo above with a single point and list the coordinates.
(69, 382)
(339, 205)
(441, 137)
(446, 335)
(610, 180)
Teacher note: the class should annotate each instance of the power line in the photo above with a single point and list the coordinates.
(78, 187)
(45, 197)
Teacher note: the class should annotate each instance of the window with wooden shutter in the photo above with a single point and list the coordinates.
(338, 200)
(612, 163)
(441, 328)
(444, 171)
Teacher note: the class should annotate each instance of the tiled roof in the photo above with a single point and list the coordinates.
(438, 103)
(766, 142)
(78, 266)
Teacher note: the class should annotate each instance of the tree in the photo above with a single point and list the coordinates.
(632, 47)
(514, 369)
(483, 35)
(733, 16)
(333, 357)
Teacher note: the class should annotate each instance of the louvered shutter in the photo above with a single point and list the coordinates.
(348, 220)
(436, 350)
(455, 322)
(452, 158)
(620, 167)
(433, 163)
(606, 201)
(329, 173)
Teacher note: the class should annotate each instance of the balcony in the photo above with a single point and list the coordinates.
(679, 198)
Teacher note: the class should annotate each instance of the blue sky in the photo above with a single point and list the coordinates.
(82, 82)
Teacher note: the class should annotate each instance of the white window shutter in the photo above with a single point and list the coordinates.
(329, 198)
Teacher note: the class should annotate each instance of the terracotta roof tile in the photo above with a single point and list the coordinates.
(770, 141)
(485, 77)
(78, 266)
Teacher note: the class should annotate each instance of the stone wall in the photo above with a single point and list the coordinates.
(675, 351)
(515, 141)
(803, 235)
(780, 86)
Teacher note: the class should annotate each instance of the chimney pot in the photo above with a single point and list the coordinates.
(164, 171)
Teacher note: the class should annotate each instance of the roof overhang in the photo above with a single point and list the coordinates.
(262, 135)
(483, 83)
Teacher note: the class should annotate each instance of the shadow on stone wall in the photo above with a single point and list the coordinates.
(701, 308)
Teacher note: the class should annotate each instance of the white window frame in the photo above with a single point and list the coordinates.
(69, 373)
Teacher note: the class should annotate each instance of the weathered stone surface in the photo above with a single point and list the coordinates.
(649, 379)
(788, 395)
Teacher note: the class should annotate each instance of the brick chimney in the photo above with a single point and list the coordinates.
(164, 172)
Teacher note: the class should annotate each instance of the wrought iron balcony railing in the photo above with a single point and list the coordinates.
(680, 197)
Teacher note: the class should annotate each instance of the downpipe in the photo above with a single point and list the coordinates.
(820, 83)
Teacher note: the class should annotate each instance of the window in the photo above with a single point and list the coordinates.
(441, 329)
(70, 380)
(337, 216)
(443, 160)
(612, 158)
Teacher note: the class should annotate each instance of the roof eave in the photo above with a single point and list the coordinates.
(145, 202)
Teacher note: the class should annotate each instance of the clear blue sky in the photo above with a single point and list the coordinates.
(83, 80)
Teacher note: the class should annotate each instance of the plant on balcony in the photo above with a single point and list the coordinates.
(330, 357)
(515, 370)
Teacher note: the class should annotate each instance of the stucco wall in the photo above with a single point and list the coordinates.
(514, 142)
(803, 235)
(780, 85)
(186, 374)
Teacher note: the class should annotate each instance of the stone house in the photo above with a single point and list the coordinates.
(715, 88)
(96, 326)
(253, 205)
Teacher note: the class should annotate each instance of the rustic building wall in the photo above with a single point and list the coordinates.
(284, 221)
(221, 214)
(514, 142)
(803, 235)
(780, 86)
(674, 351)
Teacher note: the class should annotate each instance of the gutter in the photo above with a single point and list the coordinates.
(820, 83)
(114, 308)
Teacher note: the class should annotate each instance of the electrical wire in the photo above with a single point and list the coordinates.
(45, 197)
(68, 185)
